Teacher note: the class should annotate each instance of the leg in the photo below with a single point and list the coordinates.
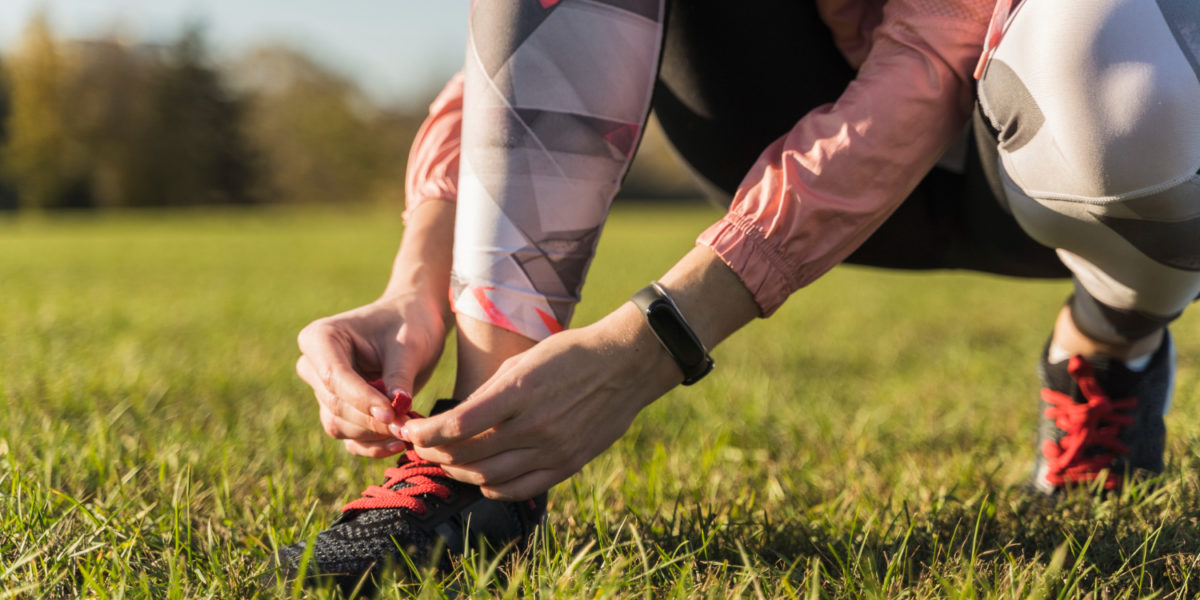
(556, 97)
(1097, 129)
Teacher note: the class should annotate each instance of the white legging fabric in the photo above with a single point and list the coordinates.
(556, 95)
(1097, 106)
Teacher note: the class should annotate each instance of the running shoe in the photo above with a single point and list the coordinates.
(1102, 420)
(418, 517)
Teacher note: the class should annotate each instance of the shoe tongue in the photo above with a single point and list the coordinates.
(1056, 377)
(401, 485)
(442, 406)
(1112, 375)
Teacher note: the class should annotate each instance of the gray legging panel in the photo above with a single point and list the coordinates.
(1097, 108)
(556, 95)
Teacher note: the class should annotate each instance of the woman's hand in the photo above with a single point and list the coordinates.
(398, 339)
(551, 409)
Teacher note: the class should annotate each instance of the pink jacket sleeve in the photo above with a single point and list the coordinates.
(819, 192)
(432, 172)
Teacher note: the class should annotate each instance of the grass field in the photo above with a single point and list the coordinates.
(866, 442)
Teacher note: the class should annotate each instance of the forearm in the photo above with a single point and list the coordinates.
(710, 297)
(422, 265)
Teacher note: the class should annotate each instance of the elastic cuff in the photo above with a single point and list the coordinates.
(747, 254)
(1112, 325)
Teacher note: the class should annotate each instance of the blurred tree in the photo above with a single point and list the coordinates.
(109, 123)
(106, 123)
(8, 196)
(45, 164)
(322, 140)
(394, 133)
(196, 150)
(112, 115)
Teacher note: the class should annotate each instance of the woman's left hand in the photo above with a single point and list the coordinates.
(551, 409)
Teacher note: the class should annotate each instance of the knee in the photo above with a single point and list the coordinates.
(1106, 108)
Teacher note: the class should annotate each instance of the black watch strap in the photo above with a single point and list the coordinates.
(673, 332)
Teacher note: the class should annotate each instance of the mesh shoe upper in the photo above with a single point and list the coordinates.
(1098, 415)
(418, 513)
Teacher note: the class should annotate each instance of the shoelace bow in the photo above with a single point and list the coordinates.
(411, 469)
(1095, 423)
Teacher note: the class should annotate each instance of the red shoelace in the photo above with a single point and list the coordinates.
(1095, 423)
(411, 469)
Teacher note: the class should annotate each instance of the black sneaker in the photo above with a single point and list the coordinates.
(418, 517)
(1101, 419)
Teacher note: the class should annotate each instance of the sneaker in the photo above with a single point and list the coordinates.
(418, 517)
(1101, 419)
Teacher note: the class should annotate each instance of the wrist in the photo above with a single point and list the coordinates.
(710, 296)
(417, 299)
(422, 266)
(673, 332)
(640, 357)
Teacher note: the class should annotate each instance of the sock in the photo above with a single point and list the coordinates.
(1057, 354)
(1139, 364)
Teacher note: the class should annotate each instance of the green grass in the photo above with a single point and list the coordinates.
(866, 442)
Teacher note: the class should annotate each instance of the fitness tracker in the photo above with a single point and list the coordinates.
(673, 332)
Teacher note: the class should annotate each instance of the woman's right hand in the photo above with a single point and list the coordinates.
(397, 339)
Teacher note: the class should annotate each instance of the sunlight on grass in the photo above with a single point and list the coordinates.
(868, 441)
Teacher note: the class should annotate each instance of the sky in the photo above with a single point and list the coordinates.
(398, 50)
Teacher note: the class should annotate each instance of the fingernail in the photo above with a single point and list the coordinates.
(397, 431)
(401, 400)
(397, 447)
(382, 415)
(404, 434)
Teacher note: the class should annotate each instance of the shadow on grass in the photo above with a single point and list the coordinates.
(1140, 541)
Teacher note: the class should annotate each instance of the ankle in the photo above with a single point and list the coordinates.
(1068, 340)
(482, 348)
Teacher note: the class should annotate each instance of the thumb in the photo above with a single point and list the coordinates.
(399, 374)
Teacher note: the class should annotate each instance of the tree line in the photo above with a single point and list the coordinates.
(107, 123)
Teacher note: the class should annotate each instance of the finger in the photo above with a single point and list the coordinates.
(399, 373)
(478, 413)
(498, 469)
(380, 449)
(329, 353)
(524, 487)
(342, 429)
(307, 374)
(487, 444)
(351, 423)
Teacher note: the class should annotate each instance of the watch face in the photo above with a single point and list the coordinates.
(673, 334)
